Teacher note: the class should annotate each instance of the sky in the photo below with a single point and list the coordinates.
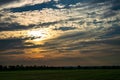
(60, 32)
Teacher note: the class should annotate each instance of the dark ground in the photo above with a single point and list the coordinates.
(86, 74)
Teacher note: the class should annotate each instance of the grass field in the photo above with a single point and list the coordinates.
(98, 74)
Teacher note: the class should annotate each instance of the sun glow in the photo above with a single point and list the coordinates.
(37, 35)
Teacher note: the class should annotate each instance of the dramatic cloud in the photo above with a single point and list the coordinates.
(60, 32)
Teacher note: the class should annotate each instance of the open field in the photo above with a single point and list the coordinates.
(98, 74)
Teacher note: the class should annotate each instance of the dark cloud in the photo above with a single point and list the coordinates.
(7, 44)
(17, 52)
(112, 31)
(35, 7)
(108, 14)
(14, 26)
(65, 28)
(60, 21)
(71, 2)
(2, 2)
(111, 10)
(101, 1)
(116, 5)
(110, 42)
(100, 51)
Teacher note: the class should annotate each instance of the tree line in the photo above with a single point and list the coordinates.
(22, 67)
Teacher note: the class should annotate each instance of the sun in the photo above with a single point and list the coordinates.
(36, 35)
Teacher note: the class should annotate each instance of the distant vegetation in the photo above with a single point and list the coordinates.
(21, 67)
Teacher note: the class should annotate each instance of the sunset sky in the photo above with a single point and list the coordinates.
(60, 32)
